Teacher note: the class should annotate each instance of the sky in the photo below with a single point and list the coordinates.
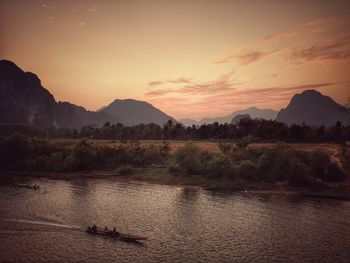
(190, 58)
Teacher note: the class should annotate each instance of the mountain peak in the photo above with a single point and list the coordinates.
(132, 112)
(313, 108)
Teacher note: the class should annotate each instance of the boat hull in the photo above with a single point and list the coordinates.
(121, 236)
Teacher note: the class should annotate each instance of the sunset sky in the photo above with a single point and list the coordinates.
(190, 58)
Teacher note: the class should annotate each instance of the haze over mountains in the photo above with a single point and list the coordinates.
(254, 112)
(24, 100)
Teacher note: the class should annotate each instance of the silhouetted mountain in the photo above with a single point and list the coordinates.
(25, 100)
(132, 112)
(313, 108)
(239, 117)
(73, 116)
(254, 112)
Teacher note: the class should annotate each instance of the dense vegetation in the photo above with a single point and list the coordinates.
(234, 162)
(22, 153)
(258, 130)
(274, 164)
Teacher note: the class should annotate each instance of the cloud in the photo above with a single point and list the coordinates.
(44, 5)
(331, 50)
(244, 56)
(159, 92)
(155, 83)
(180, 80)
(220, 98)
(315, 26)
(324, 24)
(223, 83)
(82, 24)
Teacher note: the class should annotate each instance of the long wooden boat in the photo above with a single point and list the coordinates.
(120, 236)
(29, 186)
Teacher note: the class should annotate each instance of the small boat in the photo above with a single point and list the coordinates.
(29, 186)
(119, 236)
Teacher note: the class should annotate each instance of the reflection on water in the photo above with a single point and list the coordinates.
(182, 224)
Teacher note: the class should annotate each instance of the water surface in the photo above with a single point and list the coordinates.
(182, 224)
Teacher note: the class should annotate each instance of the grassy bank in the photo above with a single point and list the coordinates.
(222, 166)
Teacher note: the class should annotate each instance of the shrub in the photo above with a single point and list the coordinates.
(205, 157)
(188, 158)
(83, 156)
(225, 148)
(14, 150)
(248, 170)
(244, 142)
(126, 169)
(334, 173)
(174, 168)
(298, 174)
(273, 163)
(219, 166)
(319, 163)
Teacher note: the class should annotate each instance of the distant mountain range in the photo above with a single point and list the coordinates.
(254, 113)
(24, 100)
(313, 108)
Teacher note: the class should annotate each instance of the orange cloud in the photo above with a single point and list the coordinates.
(332, 50)
(224, 101)
(173, 81)
(223, 83)
(316, 26)
(245, 56)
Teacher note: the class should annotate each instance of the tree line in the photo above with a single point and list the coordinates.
(255, 129)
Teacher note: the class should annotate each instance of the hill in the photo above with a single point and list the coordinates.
(254, 112)
(132, 112)
(24, 100)
(313, 108)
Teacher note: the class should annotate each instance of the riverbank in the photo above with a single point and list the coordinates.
(163, 177)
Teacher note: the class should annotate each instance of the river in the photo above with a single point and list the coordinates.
(182, 224)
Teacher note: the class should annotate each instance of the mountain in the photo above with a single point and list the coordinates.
(313, 108)
(132, 112)
(72, 116)
(240, 117)
(24, 100)
(188, 122)
(254, 112)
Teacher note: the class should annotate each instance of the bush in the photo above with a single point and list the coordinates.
(174, 168)
(225, 148)
(298, 174)
(274, 165)
(126, 169)
(219, 166)
(188, 158)
(248, 170)
(334, 173)
(83, 156)
(13, 151)
(319, 163)
(244, 142)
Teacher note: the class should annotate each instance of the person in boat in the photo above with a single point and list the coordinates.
(115, 232)
(94, 228)
(105, 230)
